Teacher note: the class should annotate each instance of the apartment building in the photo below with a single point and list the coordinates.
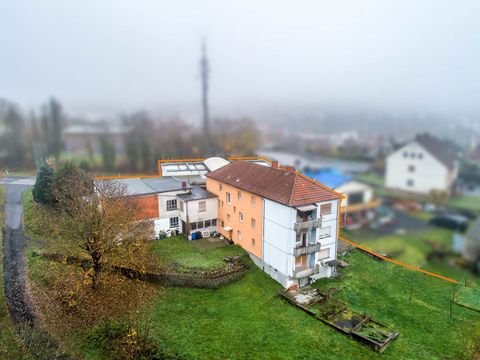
(287, 222)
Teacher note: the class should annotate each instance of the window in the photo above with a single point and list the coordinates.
(173, 222)
(240, 216)
(220, 187)
(223, 224)
(171, 205)
(411, 168)
(253, 242)
(208, 223)
(239, 235)
(214, 222)
(324, 254)
(254, 201)
(239, 195)
(229, 198)
(420, 156)
(228, 217)
(405, 154)
(253, 223)
(324, 232)
(219, 203)
(193, 226)
(410, 182)
(412, 155)
(355, 198)
(200, 225)
(202, 206)
(234, 209)
(325, 209)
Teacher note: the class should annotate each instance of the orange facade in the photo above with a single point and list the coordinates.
(243, 212)
(148, 205)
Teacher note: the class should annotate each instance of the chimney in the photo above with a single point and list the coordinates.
(184, 185)
(289, 169)
(275, 164)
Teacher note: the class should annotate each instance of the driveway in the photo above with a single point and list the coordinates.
(13, 255)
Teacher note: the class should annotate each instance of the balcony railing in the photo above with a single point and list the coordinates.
(302, 273)
(303, 250)
(307, 225)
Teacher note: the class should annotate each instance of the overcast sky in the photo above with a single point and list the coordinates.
(133, 54)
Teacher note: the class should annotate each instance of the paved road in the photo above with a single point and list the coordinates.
(14, 257)
(17, 180)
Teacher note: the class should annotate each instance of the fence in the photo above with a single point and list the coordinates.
(233, 271)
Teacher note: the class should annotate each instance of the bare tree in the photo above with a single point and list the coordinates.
(99, 222)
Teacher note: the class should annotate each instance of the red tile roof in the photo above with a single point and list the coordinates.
(288, 188)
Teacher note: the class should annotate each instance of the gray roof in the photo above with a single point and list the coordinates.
(474, 231)
(135, 186)
(163, 184)
(146, 186)
(439, 149)
(197, 193)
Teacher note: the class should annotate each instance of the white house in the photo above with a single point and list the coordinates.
(421, 166)
(287, 222)
(198, 211)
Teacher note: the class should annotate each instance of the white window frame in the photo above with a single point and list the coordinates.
(202, 206)
(327, 234)
(172, 201)
(228, 198)
(240, 216)
(324, 205)
(171, 220)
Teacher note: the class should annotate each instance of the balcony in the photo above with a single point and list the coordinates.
(307, 225)
(300, 272)
(303, 250)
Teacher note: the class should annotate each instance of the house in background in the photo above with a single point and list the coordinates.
(359, 205)
(86, 138)
(421, 166)
(287, 222)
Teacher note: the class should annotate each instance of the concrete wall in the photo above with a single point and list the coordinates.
(279, 236)
(429, 174)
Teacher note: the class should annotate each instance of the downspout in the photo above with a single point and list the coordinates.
(263, 234)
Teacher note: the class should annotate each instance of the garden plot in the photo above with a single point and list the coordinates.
(338, 315)
(468, 296)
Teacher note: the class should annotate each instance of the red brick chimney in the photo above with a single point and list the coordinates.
(275, 164)
(289, 169)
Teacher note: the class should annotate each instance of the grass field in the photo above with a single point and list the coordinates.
(178, 251)
(248, 320)
(465, 203)
(372, 179)
(10, 345)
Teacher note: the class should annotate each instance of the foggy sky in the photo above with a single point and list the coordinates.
(124, 55)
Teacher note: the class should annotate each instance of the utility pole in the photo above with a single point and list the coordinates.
(205, 73)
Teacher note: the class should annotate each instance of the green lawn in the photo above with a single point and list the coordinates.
(465, 202)
(247, 320)
(181, 252)
(373, 179)
(11, 346)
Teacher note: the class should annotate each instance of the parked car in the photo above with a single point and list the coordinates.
(450, 221)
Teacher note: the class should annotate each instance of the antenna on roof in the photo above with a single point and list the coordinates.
(205, 73)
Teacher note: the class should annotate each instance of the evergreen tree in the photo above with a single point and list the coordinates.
(43, 188)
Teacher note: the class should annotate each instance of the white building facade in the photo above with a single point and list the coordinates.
(300, 244)
(416, 168)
